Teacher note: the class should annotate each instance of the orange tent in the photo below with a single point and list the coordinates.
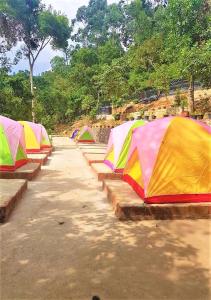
(170, 161)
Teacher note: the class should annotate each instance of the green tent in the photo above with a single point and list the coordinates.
(119, 144)
(86, 135)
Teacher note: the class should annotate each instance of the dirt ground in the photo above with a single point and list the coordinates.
(63, 242)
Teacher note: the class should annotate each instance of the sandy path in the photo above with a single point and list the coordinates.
(63, 242)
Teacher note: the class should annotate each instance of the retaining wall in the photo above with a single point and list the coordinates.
(101, 134)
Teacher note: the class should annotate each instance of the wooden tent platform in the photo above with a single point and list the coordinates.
(129, 206)
(10, 194)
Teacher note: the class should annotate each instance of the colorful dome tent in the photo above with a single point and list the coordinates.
(36, 137)
(74, 134)
(172, 163)
(12, 145)
(85, 135)
(119, 145)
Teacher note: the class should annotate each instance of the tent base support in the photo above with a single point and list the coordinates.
(10, 196)
(29, 171)
(104, 172)
(128, 205)
(93, 158)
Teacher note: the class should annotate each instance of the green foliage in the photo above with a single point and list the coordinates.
(92, 17)
(15, 96)
(197, 62)
(180, 100)
(162, 77)
(85, 56)
(35, 26)
(189, 18)
(111, 50)
(56, 26)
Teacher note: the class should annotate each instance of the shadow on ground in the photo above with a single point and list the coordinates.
(64, 242)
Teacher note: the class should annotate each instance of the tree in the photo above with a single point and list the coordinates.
(112, 81)
(15, 96)
(111, 50)
(36, 26)
(92, 18)
(140, 20)
(162, 77)
(124, 51)
(195, 64)
(187, 24)
(86, 56)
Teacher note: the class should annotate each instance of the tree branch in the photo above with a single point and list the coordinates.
(31, 53)
(48, 41)
(42, 46)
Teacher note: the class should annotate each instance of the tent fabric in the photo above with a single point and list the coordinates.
(119, 145)
(36, 137)
(85, 135)
(12, 145)
(45, 142)
(170, 161)
(74, 134)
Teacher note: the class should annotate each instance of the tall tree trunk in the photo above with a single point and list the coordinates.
(31, 67)
(66, 57)
(191, 104)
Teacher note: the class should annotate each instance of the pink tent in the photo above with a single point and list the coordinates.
(36, 137)
(12, 144)
(119, 144)
(170, 161)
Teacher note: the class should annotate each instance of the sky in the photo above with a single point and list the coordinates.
(69, 8)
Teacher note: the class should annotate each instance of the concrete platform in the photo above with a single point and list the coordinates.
(92, 150)
(28, 171)
(104, 172)
(94, 157)
(47, 151)
(10, 193)
(38, 158)
(129, 206)
(87, 143)
(95, 146)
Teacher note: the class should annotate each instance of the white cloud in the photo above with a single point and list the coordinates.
(69, 8)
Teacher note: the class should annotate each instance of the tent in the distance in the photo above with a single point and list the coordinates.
(170, 161)
(12, 145)
(74, 134)
(119, 144)
(85, 135)
(36, 137)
